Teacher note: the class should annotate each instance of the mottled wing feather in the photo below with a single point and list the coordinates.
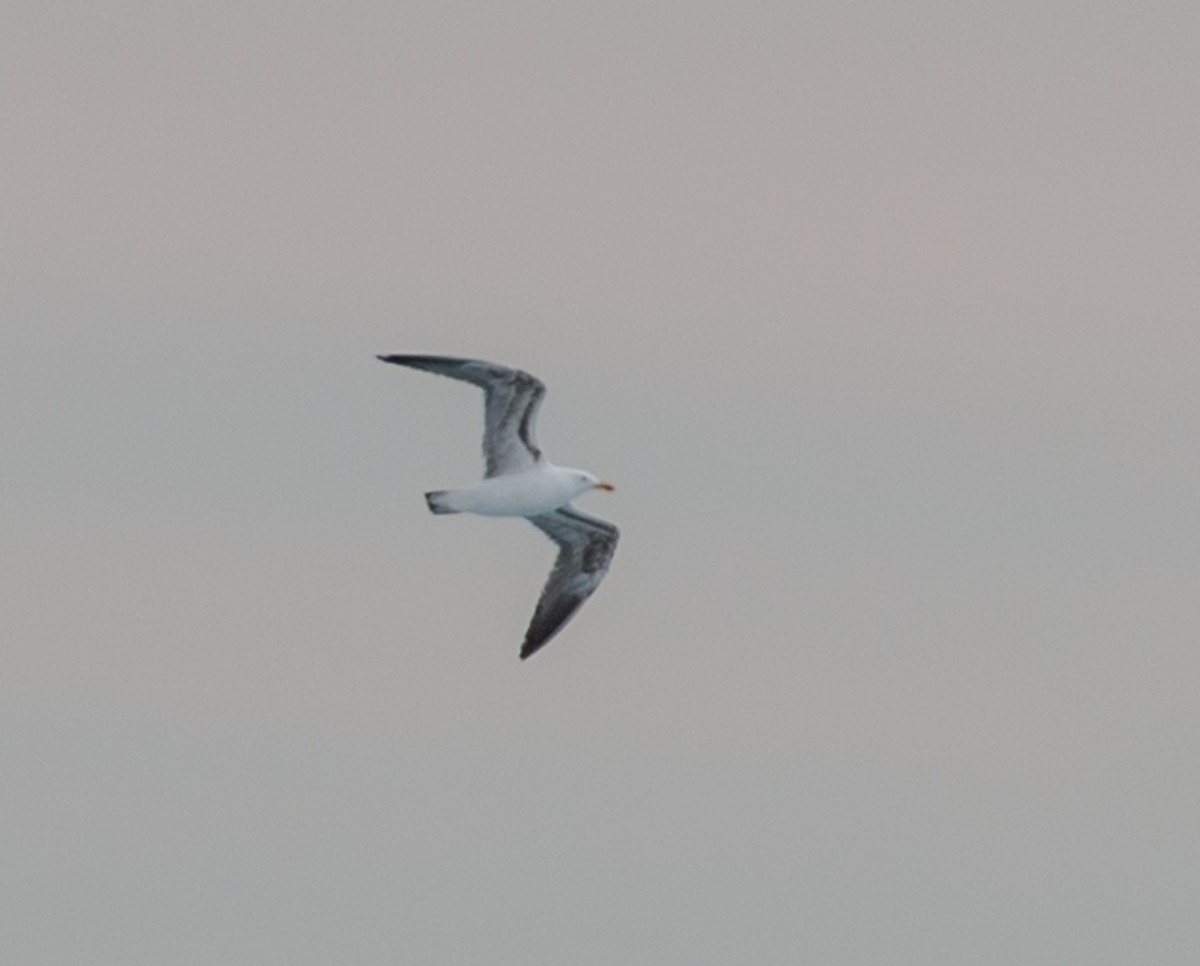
(511, 401)
(585, 550)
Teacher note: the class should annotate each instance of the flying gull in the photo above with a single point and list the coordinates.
(520, 482)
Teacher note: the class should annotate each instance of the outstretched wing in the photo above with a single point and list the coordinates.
(585, 549)
(510, 401)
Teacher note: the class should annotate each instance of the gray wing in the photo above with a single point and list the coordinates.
(510, 404)
(585, 549)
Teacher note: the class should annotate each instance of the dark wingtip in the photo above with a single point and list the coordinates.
(422, 362)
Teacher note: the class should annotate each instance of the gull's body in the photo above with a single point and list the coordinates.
(519, 481)
(528, 493)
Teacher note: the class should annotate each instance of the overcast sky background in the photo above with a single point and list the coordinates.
(883, 319)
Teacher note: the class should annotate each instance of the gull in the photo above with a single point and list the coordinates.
(520, 482)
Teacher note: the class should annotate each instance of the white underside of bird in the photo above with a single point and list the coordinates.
(539, 490)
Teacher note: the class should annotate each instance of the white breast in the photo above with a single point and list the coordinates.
(544, 488)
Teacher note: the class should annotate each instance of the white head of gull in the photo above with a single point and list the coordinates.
(520, 482)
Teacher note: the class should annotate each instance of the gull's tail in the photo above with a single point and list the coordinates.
(440, 501)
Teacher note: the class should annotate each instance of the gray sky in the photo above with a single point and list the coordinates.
(882, 317)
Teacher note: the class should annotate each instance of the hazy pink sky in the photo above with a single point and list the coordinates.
(882, 317)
